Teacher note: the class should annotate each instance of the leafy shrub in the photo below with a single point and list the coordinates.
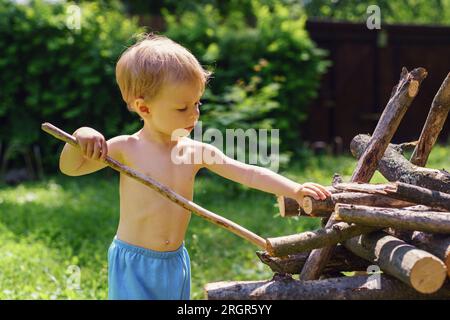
(53, 72)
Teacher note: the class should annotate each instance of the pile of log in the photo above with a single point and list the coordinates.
(392, 238)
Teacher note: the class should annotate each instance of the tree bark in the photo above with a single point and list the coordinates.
(419, 195)
(323, 208)
(433, 125)
(394, 167)
(417, 268)
(421, 208)
(341, 260)
(308, 240)
(431, 221)
(342, 288)
(400, 191)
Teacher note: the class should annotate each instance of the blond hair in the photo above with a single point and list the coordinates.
(153, 61)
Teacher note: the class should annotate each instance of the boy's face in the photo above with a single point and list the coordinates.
(175, 107)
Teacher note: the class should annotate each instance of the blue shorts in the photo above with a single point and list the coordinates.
(136, 273)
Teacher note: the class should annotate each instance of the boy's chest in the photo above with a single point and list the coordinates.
(165, 166)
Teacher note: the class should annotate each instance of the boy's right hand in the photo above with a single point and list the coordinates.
(311, 189)
(92, 143)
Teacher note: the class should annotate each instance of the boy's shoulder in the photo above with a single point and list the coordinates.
(186, 141)
(122, 139)
(119, 146)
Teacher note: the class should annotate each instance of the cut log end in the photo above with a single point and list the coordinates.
(269, 248)
(281, 207)
(428, 275)
(307, 205)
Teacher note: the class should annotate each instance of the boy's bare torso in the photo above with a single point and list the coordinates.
(147, 218)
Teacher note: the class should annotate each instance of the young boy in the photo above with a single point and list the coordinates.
(162, 82)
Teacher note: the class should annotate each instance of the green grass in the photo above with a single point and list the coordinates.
(48, 226)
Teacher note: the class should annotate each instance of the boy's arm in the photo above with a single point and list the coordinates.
(259, 177)
(76, 162)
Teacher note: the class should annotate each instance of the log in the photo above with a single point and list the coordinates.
(398, 104)
(406, 235)
(417, 268)
(401, 98)
(376, 189)
(394, 167)
(401, 191)
(342, 288)
(431, 221)
(341, 260)
(437, 244)
(422, 208)
(289, 207)
(308, 240)
(433, 125)
(323, 208)
(408, 192)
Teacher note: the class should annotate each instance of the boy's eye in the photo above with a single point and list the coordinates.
(198, 104)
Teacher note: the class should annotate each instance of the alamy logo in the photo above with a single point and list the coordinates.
(73, 21)
(73, 278)
(374, 20)
(374, 280)
(257, 149)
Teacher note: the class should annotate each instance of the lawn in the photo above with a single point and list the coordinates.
(58, 230)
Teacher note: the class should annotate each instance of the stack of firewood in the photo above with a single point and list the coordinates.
(394, 238)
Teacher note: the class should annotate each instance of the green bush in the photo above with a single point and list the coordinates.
(434, 12)
(262, 49)
(53, 72)
(266, 68)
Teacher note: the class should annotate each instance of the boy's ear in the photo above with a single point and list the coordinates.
(140, 106)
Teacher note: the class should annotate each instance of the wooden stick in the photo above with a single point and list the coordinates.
(400, 191)
(324, 208)
(342, 288)
(398, 104)
(419, 195)
(165, 191)
(433, 125)
(419, 269)
(289, 207)
(421, 208)
(394, 167)
(389, 121)
(369, 188)
(342, 260)
(308, 240)
(432, 221)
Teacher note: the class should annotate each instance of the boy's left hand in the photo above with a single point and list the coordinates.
(312, 189)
